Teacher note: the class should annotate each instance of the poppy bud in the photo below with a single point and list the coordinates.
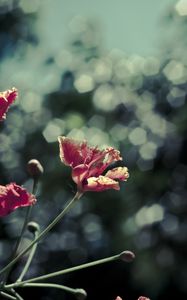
(80, 294)
(35, 168)
(33, 227)
(127, 256)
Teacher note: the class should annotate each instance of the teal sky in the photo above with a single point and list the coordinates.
(130, 25)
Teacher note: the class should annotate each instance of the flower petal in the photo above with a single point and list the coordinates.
(79, 173)
(99, 184)
(6, 99)
(102, 160)
(72, 153)
(88, 164)
(143, 298)
(120, 173)
(13, 196)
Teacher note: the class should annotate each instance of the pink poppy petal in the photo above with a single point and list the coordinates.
(79, 173)
(120, 173)
(71, 152)
(103, 159)
(119, 298)
(99, 184)
(6, 99)
(143, 298)
(89, 163)
(13, 196)
(113, 154)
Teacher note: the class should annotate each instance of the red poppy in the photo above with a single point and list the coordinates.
(13, 196)
(88, 163)
(6, 99)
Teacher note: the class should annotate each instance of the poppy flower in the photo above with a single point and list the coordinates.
(13, 196)
(89, 163)
(6, 99)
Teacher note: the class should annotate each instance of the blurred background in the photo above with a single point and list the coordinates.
(114, 73)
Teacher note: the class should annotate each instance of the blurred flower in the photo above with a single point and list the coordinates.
(13, 196)
(89, 163)
(6, 99)
(140, 298)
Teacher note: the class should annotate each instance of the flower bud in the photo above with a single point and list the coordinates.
(80, 294)
(33, 227)
(127, 256)
(35, 168)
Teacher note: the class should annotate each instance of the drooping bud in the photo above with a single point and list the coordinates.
(35, 168)
(80, 294)
(127, 256)
(33, 227)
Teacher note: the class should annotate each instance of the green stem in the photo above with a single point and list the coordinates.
(43, 233)
(5, 295)
(76, 268)
(28, 211)
(27, 216)
(52, 285)
(29, 260)
(18, 297)
(35, 186)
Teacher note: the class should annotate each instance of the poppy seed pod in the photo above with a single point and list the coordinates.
(35, 168)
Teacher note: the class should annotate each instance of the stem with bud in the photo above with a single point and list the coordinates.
(125, 256)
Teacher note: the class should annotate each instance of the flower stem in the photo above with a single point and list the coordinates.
(61, 272)
(52, 285)
(43, 233)
(17, 296)
(29, 260)
(27, 216)
(6, 295)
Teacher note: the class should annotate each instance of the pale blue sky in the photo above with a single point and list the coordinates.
(130, 25)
